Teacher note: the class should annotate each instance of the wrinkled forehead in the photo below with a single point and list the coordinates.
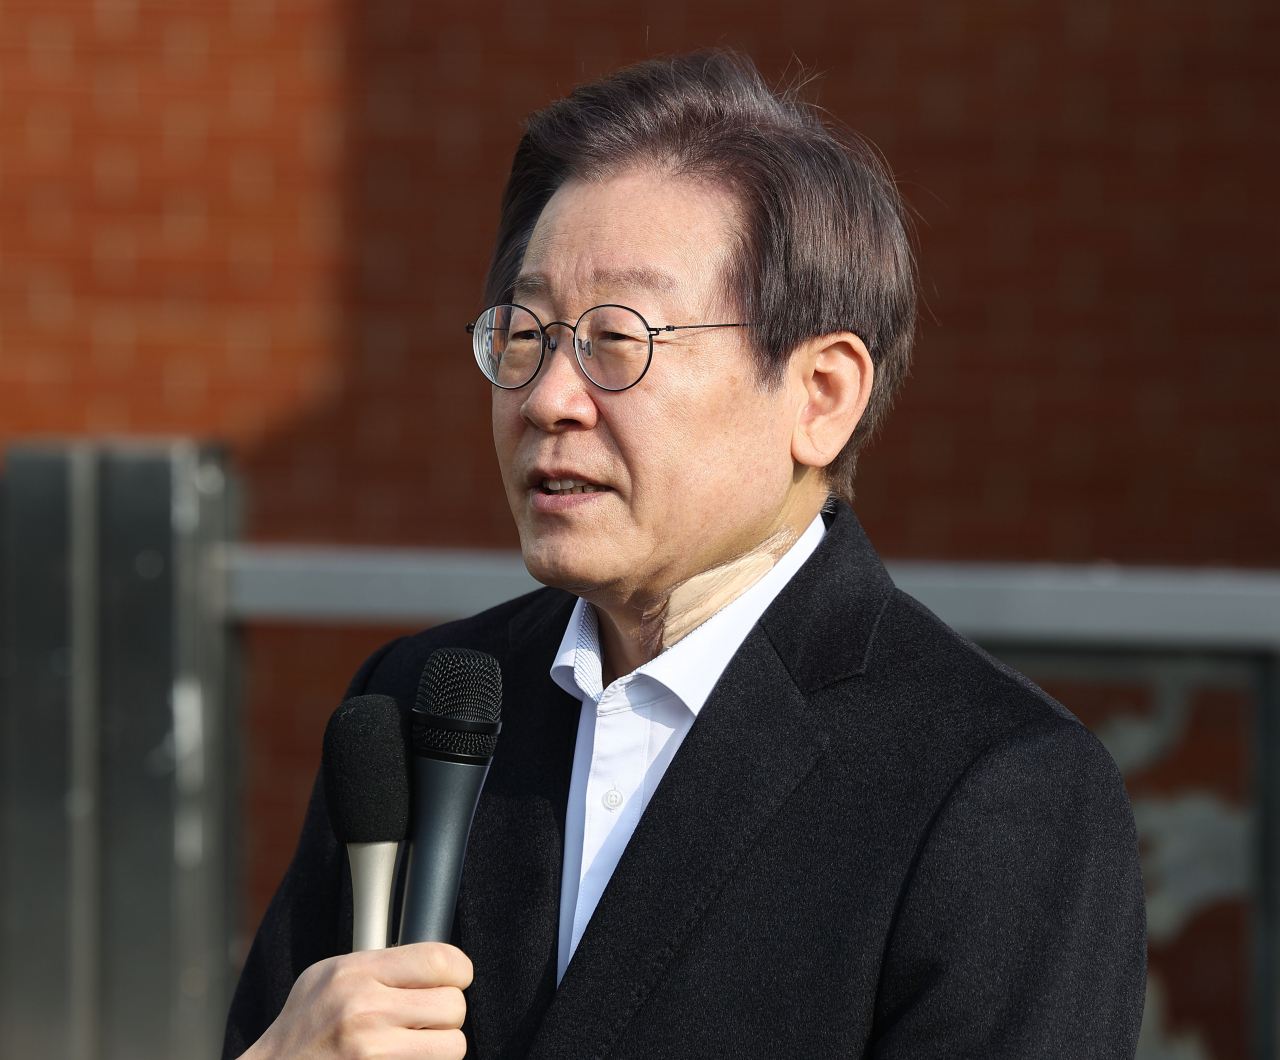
(644, 236)
(535, 283)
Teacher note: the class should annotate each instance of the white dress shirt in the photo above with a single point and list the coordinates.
(629, 732)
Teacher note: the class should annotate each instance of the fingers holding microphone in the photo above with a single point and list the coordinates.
(404, 1003)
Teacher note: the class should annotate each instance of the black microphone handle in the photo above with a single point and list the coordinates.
(445, 794)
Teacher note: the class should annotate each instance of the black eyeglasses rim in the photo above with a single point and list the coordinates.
(542, 329)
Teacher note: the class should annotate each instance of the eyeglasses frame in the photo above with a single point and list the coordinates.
(550, 343)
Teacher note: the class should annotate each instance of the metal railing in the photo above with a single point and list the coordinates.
(1004, 602)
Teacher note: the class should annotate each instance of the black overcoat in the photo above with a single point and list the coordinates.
(876, 840)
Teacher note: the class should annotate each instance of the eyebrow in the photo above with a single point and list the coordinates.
(637, 278)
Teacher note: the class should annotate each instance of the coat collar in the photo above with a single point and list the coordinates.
(755, 741)
(836, 598)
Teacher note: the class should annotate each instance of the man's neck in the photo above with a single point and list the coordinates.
(627, 642)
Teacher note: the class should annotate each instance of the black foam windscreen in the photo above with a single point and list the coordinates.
(366, 771)
(463, 686)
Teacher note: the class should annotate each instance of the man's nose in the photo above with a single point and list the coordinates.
(560, 396)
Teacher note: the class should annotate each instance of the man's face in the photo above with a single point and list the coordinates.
(693, 465)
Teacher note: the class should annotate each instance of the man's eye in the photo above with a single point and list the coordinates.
(524, 336)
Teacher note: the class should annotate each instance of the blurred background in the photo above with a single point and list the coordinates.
(261, 225)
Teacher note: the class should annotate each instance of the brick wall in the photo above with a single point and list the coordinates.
(266, 221)
(170, 215)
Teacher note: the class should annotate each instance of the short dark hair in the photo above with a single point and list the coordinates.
(823, 245)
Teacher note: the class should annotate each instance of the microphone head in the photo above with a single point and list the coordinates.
(458, 685)
(366, 771)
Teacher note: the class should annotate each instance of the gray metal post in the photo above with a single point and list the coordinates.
(205, 754)
(35, 1008)
(137, 781)
(83, 810)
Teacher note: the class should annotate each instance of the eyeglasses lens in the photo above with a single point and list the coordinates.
(613, 346)
(507, 342)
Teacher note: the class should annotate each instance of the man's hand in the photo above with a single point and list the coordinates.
(403, 1003)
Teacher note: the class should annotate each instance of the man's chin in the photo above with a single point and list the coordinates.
(564, 576)
(562, 566)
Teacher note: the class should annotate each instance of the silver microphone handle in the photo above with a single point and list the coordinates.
(373, 870)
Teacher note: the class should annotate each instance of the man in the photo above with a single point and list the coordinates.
(749, 800)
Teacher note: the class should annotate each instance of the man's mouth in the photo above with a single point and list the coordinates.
(563, 486)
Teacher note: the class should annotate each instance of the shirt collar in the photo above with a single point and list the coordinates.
(690, 668)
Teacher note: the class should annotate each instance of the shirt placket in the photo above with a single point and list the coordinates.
(613, 794)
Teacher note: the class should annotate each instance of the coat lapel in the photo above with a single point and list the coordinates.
(754, 742)
(750, 747)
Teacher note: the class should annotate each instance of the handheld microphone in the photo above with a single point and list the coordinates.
(456, 722)
(366, 785)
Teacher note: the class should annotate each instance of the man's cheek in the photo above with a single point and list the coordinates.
(506, 439)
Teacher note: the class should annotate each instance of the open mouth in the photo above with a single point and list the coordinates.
(562, 487)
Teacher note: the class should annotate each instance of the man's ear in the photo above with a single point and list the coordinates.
(832, 376)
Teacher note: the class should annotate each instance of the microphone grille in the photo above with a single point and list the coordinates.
(366, 771)
(463, 684)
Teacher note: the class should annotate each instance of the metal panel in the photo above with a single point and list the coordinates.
(34, 965)
(137, 755)
(117, 756)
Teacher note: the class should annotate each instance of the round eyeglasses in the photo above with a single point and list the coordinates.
(613, 344)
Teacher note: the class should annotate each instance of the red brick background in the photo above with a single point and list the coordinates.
(171, 215)
(266, 220)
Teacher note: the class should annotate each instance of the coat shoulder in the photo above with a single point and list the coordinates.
(929, 704)
(920, 654)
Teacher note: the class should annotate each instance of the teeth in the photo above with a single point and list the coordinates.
(566, 486)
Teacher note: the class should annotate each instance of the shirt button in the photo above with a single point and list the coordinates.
(612, 799)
